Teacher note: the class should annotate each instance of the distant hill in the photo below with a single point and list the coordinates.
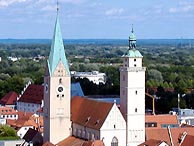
(101, 41)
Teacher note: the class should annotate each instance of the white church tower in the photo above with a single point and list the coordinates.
(132, 93)
(57, 81)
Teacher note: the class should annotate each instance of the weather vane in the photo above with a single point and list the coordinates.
(57, 6)
(132, 29)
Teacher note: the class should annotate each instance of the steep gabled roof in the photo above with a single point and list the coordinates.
(70, 141)
(48, 144)
(151, 142)
(33, 94)
(30, 134)
(90, 113)
(188, 141)
(163, 134)
(9, 99)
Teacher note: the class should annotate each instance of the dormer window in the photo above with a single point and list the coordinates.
(97, 122)
(88, 118)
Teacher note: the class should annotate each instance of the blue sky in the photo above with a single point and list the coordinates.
(81, 19)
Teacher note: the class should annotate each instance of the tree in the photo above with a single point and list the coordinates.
(8, 133)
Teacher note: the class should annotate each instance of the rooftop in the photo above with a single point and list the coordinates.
(93, 119)
(33, 94)
(9, 99)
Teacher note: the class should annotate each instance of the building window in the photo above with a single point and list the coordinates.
(114, 126)
(134, 65)
(134, 60)
(136, 110)
(136, 92)
(114, 142)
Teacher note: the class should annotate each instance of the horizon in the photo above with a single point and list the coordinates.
(97, 19)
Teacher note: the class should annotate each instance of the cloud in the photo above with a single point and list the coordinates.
(183, 7)
(114, 11)
(5, 3)
(49, 8)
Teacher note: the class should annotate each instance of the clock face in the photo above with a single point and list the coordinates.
(60, 89)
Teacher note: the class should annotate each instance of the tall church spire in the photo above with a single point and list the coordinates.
(57, 52)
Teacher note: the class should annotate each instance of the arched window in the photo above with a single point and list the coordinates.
(114, 142)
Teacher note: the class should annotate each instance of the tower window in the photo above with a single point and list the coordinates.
(114, 126)
(136, 110)
(135, 65)
(136, 92)
(60, 81)
(134, 59)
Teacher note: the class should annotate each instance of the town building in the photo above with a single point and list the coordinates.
(31, 98)
(8, 113)
(186, 116)
(95, 76)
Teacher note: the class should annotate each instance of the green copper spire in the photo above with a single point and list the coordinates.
(132, 51)
(132, 39)
(57, 52)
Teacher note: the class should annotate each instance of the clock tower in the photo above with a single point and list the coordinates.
(132, 93)
(57, 82)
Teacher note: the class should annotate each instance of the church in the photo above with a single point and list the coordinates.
(88, 119)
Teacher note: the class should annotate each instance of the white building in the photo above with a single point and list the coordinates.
(186, 116)
(94, 76)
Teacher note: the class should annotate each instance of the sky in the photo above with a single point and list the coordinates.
(97, 19)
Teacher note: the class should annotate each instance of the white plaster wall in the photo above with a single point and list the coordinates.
(114, 126)
(28, 107)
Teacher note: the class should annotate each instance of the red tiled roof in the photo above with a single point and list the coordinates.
(48, 144)
(70, 141)
(7, 111)
(90, 113)
(161, 119)
(188, 141)
(151, 142)
(27, 120)
(163, 135)
(9, 99)
(33, 94)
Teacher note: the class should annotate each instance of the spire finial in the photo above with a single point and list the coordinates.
(132, 29)
(57, 6)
